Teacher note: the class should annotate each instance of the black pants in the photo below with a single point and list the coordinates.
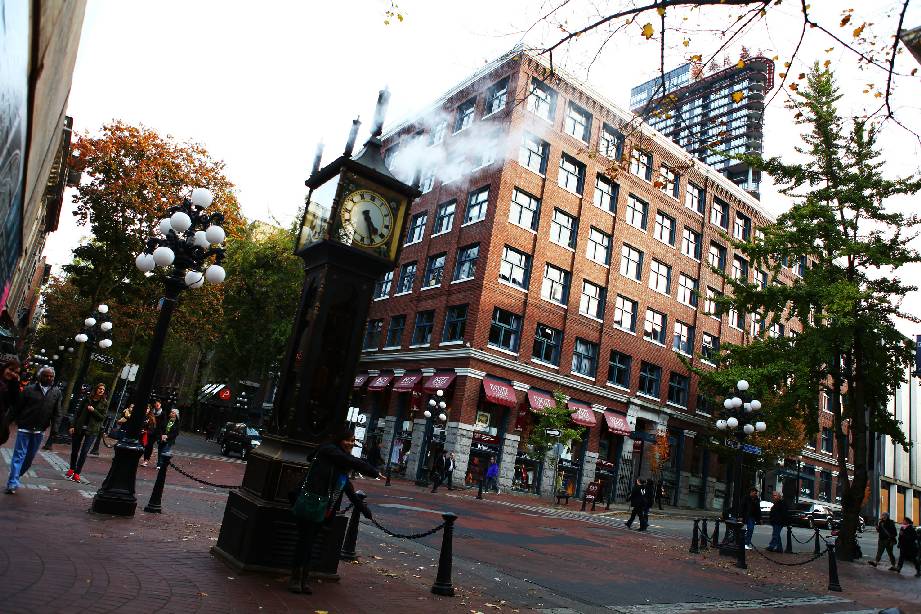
(641, 512)
(148, 449)
(81, 442)
(914, 559)
(303, 548)
(437, 480)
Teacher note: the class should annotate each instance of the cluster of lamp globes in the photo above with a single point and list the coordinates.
(105, 327)
(440, 404)
(180, 222)
(735, 402)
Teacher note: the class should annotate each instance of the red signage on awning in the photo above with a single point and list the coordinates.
(380, 382)
(582, 414)
(539, 400)
(617, 423)
(360, 380)
(499, 393)
(439, 381)
(406, 383)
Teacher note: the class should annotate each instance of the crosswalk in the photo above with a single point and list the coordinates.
(716, 606)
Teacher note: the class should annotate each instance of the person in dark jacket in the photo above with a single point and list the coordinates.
(908, 546)
(492, 475)
(887, 537)
(439, 470)
(37, 407)
(86, 428)
(168, 434)
(328, 476)
(638, 503)
(751, 514)
(9, 395)
(778, 519)
(660, 494)
(375, 456)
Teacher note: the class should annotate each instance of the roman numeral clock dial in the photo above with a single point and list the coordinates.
(368, 216)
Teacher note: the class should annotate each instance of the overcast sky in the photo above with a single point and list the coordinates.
(258, 84)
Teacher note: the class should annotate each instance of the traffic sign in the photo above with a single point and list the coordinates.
(553, 432)
(224, 394)
(747, 447)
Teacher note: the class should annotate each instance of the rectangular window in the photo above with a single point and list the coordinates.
(683, 338)
(578, 122)
(719, 213)
(654, 326)
(695, 198)
(395, 331)
(476, 205)
(373, 334)
(637, 212)
(464, 116)
(737, 319)
(591, 302)
(438, 133)
(555, 287)
(444, 217)
(434, 270)
(710, 306)
(678, 388)
(799, 269)
(691, 243)
(382, 285)
(407, 278)
(670, 180)
(619, 369)
(455, 323)
(534, 153)
(416, 230)
(572, 174)
(524, 209)
(547, 344)
(427, 180)
(709, 347)
(650, 379)
(563, 229)
(611, 143)
(606, 192)
(599, 246)
(762, 278)
(687, 290)
(515, 267)
(828, 440)
(585, 358)
(465, 267)
(777, 330)
(739, 268)
(742, 229)
(505, 331)
(717, 256)
(422, 330)
(660, 277)
(625, 310)
(641, 164)
(631, 262)
(497, 96)
(664, 229)
(542, 100)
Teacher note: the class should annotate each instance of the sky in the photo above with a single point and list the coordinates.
(259, 84)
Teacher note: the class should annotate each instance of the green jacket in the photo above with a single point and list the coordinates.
(91, 420)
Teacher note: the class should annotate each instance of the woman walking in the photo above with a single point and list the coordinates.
(86, 428)
(318, 498)
(492, 475)
(9, 395)
(148, 435)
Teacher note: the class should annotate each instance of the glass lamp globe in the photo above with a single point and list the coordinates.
(756, 405)
(747, 406)
(442, 405)
(439, 393)
(727, 403)
(60, 348)
(89, 322)
(742, 385)
(194, 279)
(55, 357)
(215, 274)
(200, 239)
(145, 263)
(736, 402)
(432, 402)
(748, 429)
(760, 426)
(215, 234)
(165, 226)
(202, 197)
(103, 308)
(163, 256)
(732, 422)
(721, 425)
(427, 413)
(180, 221)
(105, 326)
(442, 417)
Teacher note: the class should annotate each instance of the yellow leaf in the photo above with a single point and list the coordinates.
(686, 42)
(793, 87)
(696, 58)
(661, 11)
(782, 75)
(878, 95)
(826, 63)
(399, 17)
(786, 64)
(775, 58)
(845, 20)
(737, 96)
(829, 50)
(859, 31)
(740, 64)
(802, 75)
(648, 31)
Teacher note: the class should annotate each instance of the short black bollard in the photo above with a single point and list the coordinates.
(833, 583)
(443, 584)
(156, 496)
(716, 533)
(387, 483)
(479, 491)
(347, 552)
(695, 539)
(704, 536)
(739, 529)
(789, 549)
(816, 550)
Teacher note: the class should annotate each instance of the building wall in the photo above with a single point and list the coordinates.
(897, 469)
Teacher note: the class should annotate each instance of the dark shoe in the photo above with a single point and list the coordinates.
(893, 568)
(11, 491)
(872, 563)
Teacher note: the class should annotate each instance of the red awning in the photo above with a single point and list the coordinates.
(539, 400)
(617, 423)
(380, 382)
(582, 414)
(499, 392)
(360, 380)
(439, 381)
(407, 382)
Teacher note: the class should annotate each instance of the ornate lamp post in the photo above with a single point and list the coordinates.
(740, 411)
(436, 403)
(188, 239)
(96, 329)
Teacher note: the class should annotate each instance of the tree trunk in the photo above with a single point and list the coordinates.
(853, 493)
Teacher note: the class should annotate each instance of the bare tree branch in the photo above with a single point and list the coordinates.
(895, 46)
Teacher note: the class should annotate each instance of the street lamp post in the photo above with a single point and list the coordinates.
(188, 239)
(739, 421)
(436, 403)
(95, 331)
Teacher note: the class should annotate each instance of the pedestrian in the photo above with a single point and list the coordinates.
(85, 429)
(325, 483)
(778, 519)
(908, 546)
(148, 435)
(650, 494)
(886, 530)
(638, 505)
(751, 515)
(9, 395)
(492, 475)
(38, 405)
(376, 456)
(168, 435)
(449, 470)
(660, 494)
(439, 471)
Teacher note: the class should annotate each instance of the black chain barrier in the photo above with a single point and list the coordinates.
(812, 537)
(410, 535)
(796, 564)
(200, 481)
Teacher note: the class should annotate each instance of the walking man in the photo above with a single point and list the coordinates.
(751, 514)
(638, 505)
(86, 428)
(908, 546)
(492, 475)
(778, 518)
(37, 407)
(449, 470)
(887, 536)
(168, 435)
(439, 468)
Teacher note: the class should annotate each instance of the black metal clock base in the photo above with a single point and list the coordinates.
(729, 546)
(116, 495)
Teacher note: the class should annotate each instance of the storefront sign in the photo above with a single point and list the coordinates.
(439, 381)
(486, 438)
(499, 393)
(360, 380)
(407, 382)
(380, 382)
(617, 423)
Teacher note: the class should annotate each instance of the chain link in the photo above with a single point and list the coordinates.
(200, 481)
(793, 535)
(797, 564)
(410, 535)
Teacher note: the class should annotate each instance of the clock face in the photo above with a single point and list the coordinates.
(368, 217)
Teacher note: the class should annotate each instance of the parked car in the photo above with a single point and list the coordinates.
(219, 438)
(837, 516)
(240, 439)
(811, 515)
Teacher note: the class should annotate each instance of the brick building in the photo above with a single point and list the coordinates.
(559, 244)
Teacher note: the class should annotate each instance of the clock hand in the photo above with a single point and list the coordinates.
(372, 230)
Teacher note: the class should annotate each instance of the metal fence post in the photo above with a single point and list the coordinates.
(347, 552)
(704, 536)
(833, 583)
(740, 544)
(695, 548)
(479, 491)
(816, 550)
(442, 585)
(156, 496)
(789, 549)
(716, 533)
